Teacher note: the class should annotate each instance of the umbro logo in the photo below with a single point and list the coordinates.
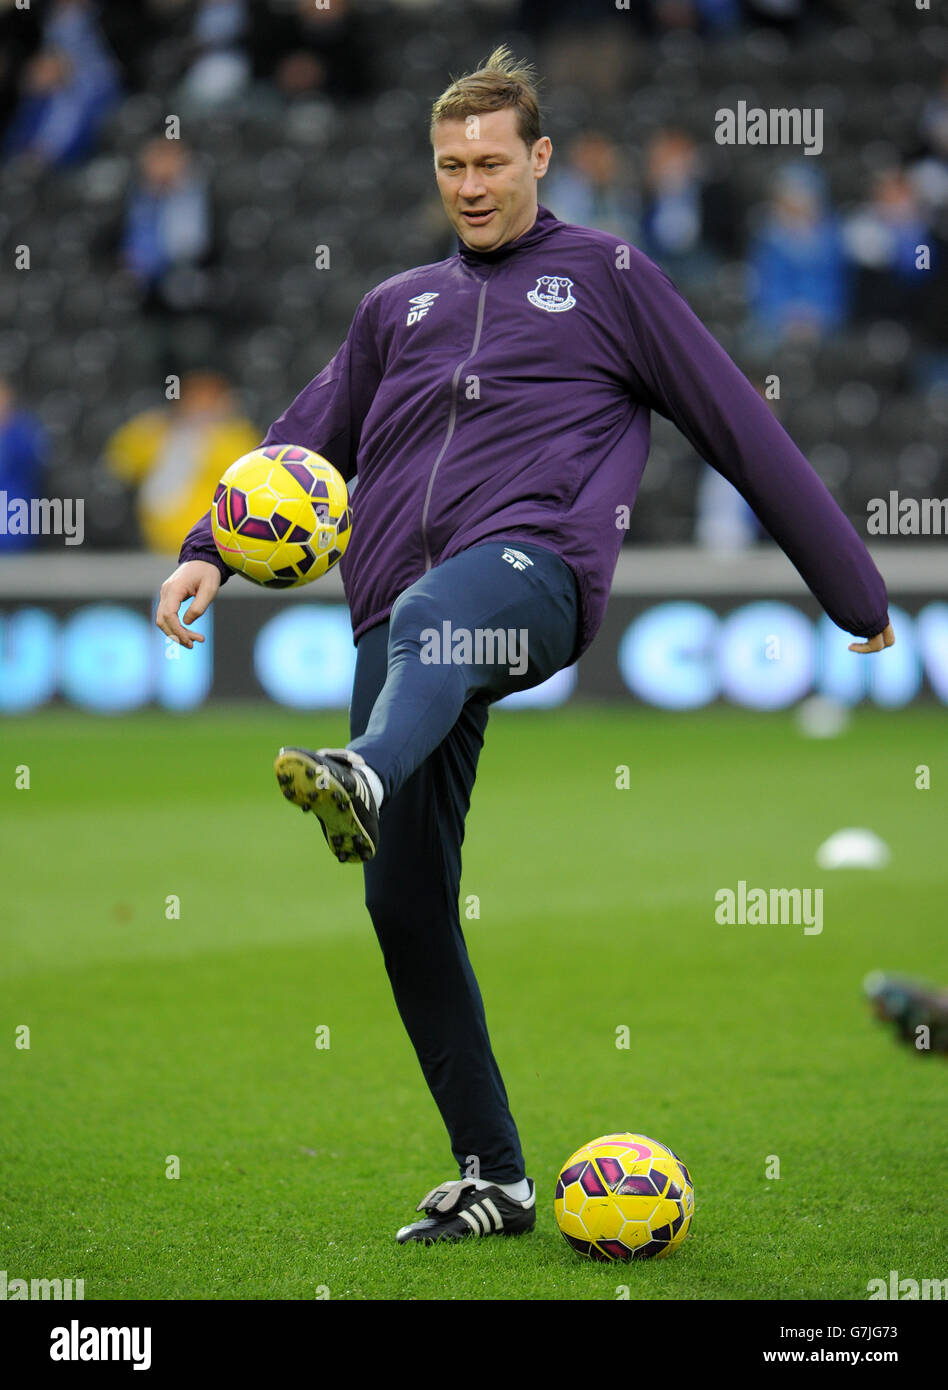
(421, 303)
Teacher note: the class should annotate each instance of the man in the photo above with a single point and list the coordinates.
(23, 454)
(495, 406)
(175, 454)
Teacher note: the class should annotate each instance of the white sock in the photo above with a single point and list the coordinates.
(375, 784)
(517, 1191)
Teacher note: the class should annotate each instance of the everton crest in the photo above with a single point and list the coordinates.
(553, 292)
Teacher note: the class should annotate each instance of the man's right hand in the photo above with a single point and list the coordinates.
(197, 579)
(877, 643)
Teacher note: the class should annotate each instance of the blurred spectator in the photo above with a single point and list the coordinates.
(167, 243)
(724, 523)
(930, 359)
(882, 240)
(690, 221)
(798, 268)
(315, 51)
(175, 455)
(22, 460)
(219, 67)
(590, 188)
(929, 172)
(68, 88)
(168, 216)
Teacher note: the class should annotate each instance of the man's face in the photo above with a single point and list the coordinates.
(483, 167)
(163, 163)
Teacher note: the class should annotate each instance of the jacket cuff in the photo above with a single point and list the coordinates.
(192, 550)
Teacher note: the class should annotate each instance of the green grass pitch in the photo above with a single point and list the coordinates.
(194, 1036)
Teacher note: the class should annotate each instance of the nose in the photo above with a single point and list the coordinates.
(473, 185)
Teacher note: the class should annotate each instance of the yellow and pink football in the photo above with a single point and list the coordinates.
(624, 1197)
(281, 516)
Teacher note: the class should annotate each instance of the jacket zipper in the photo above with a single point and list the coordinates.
(452, 421)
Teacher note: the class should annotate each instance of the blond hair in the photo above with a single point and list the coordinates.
(502, 81)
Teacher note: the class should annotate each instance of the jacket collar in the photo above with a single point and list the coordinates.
(545, 223)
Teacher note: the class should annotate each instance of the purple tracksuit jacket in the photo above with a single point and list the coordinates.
(507, 394)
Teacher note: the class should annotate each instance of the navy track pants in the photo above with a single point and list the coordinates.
(418, 715)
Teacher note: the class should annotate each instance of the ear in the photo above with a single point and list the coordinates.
(542, 151)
